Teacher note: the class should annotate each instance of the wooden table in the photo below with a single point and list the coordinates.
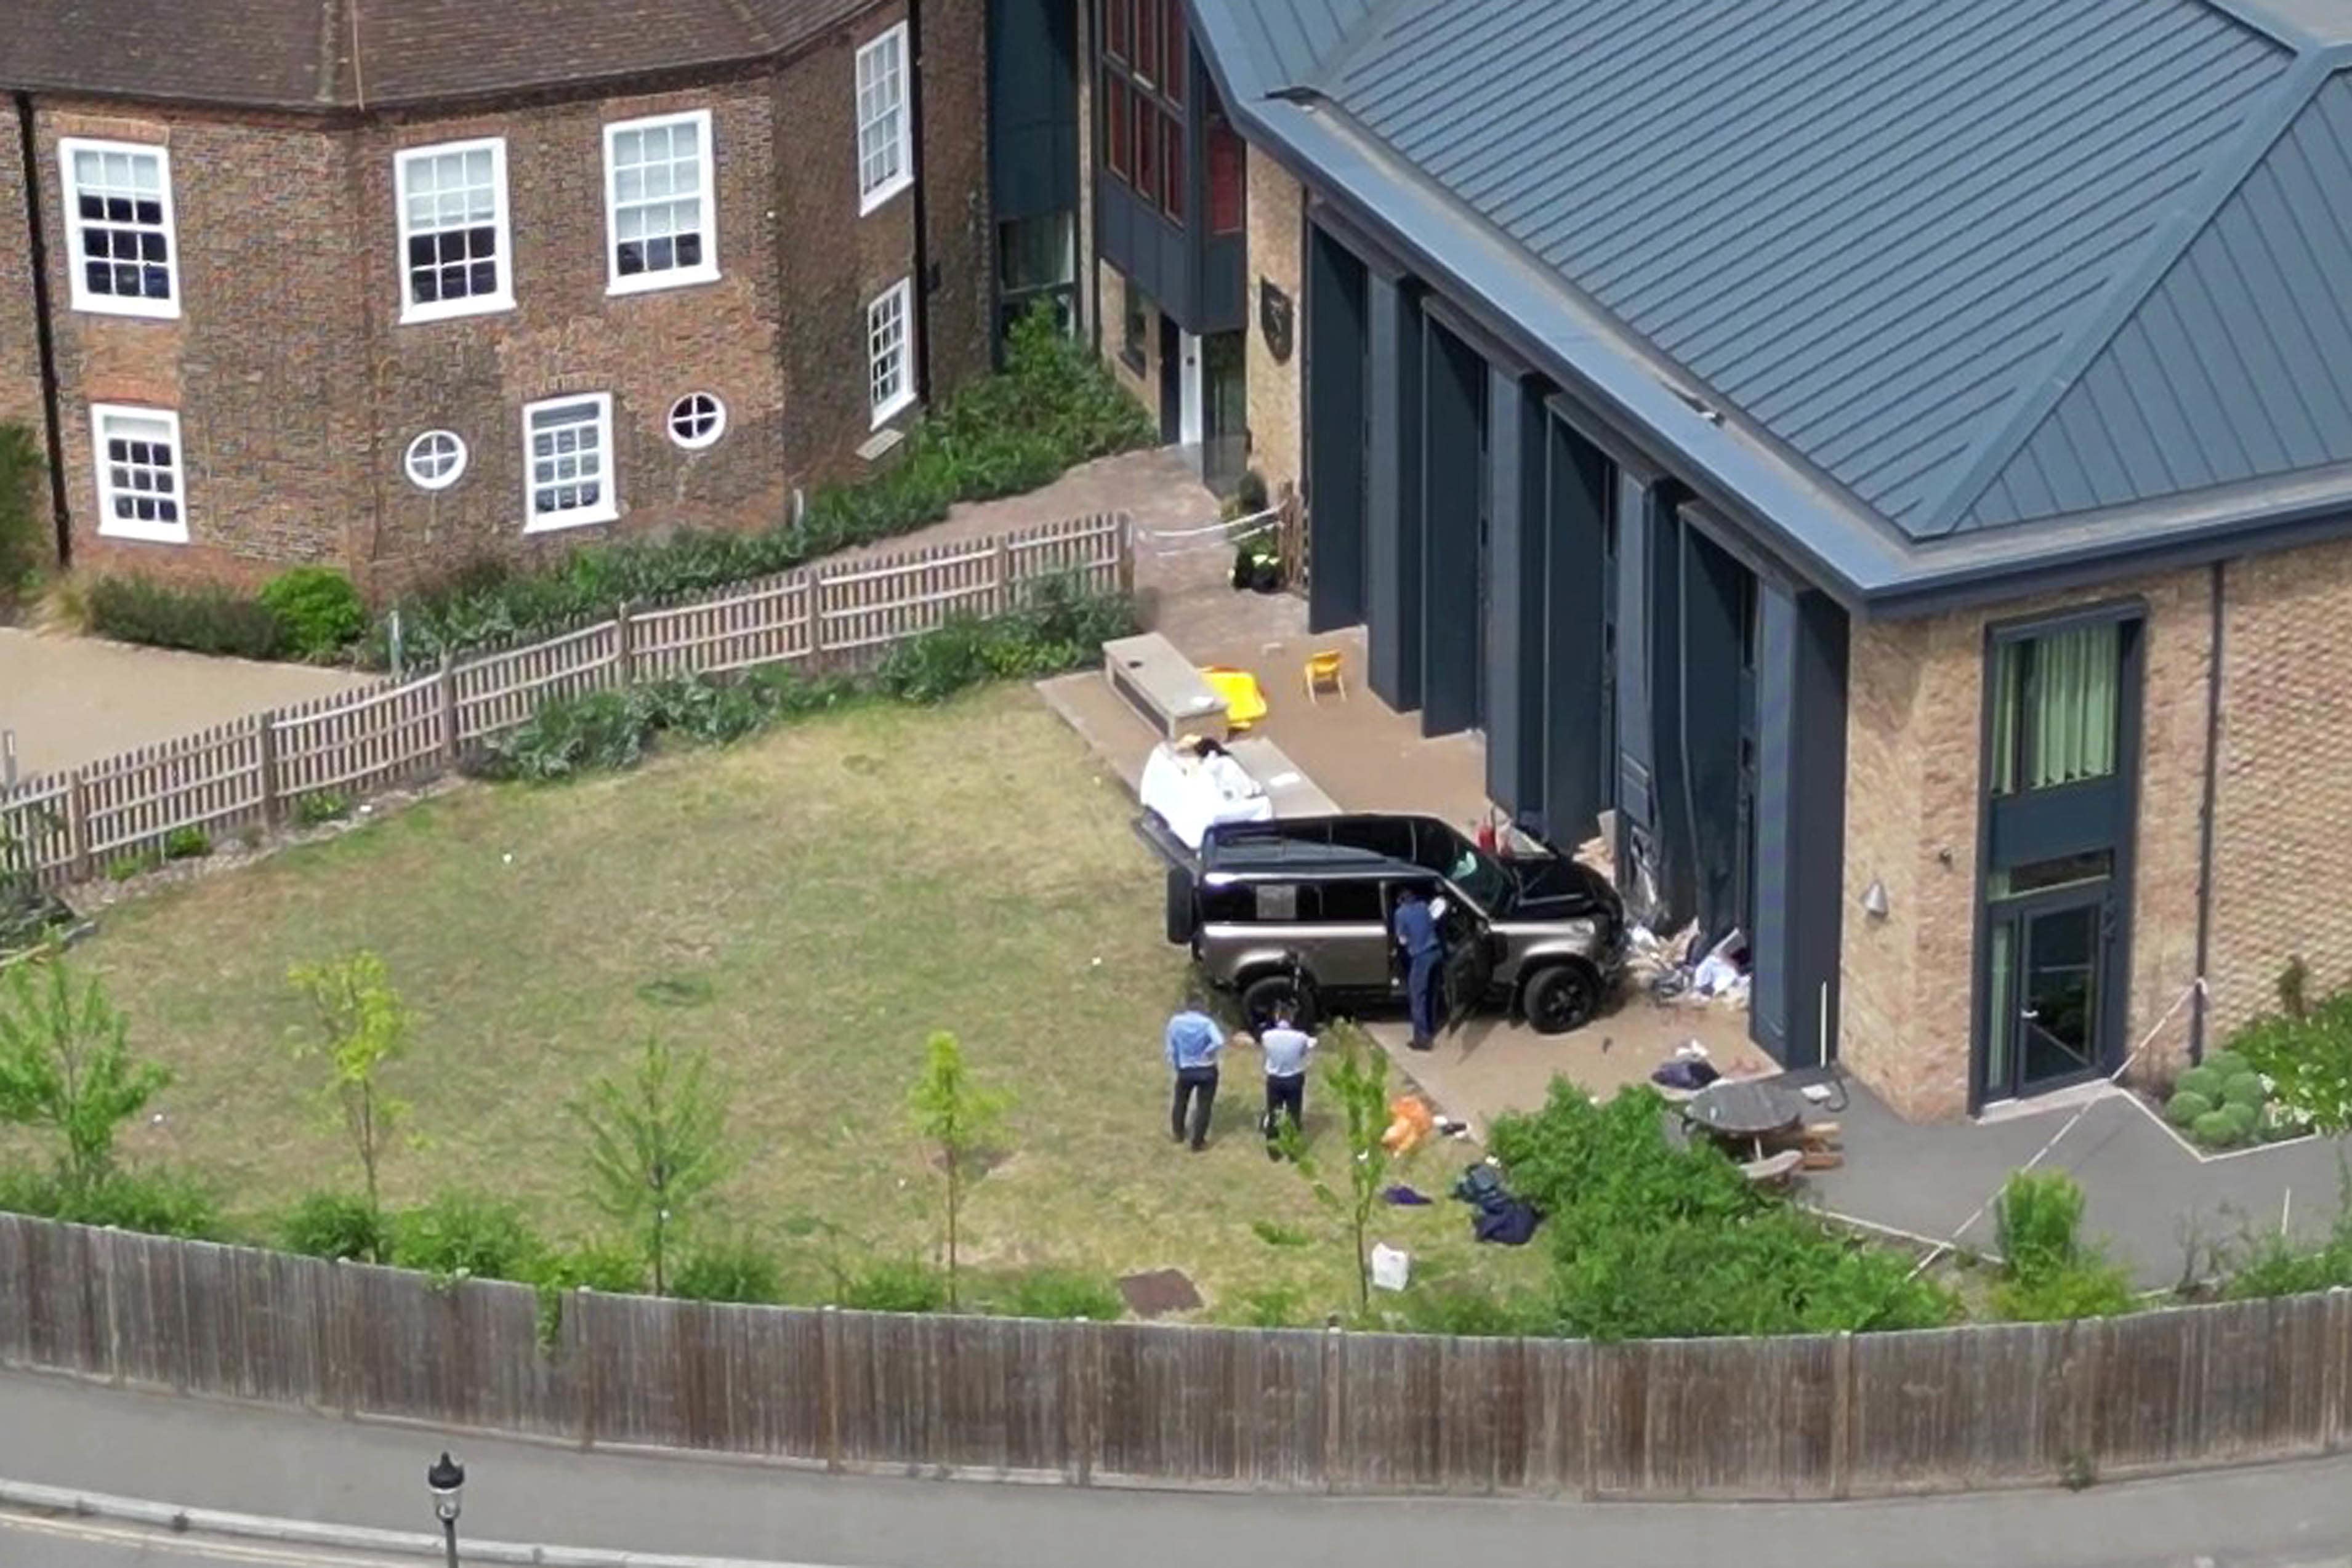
(1750, 1109)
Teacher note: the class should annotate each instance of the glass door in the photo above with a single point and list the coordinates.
(2045, 995)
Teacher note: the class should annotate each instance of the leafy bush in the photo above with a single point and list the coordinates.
(2245, 1090)
(599, 731)
(151, 1202)
(318, 609)
(2217, 1129)
(123, 868)
(21, 545)
(2205, 1082)
(614, 1268)
(2185, 1106)
(895, 1287)
(201, 619)
(187, 844)
(1053, 406)
(729, 1271)
(1471, 1313)
(2308, 1059)
(321, 806)
(1059, 1294)
(337, 1225)
(1652, 1241)
(1059, 627)
(2226, 1064)
(2050, 1274)
(464, 1233)
(1270, 1307)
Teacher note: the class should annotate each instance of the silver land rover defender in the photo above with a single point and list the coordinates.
(1301, 911)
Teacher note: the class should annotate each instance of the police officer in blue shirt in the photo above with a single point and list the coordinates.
(1424, 946)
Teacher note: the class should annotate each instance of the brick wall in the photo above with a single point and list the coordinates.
(20, 360)
(1914, 720)
(1142, 381)
(300, 390)
(1276, 242)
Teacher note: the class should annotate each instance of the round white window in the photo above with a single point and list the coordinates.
(435, 459)
(696, 420)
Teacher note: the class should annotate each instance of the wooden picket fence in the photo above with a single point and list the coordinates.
(67, 827)
(1817, 1416)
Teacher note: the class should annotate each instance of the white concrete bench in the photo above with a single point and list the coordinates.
(1161, 685)
(1292, 793)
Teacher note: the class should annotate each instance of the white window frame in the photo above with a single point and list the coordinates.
(707, 270)
(456, 469)
(472, 305)
(69, 147)
(608, 507)
(872, 196)
(902, 295)
(109, 525)
(708, 438)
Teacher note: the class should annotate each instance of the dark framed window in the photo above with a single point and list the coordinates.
(1118, 28)
(1146, 40)
(1228, 200)
(1171, 168)
(1147, 146)
(1117, 126)
(2057, 707)
(1134, 326)
(1175, 51)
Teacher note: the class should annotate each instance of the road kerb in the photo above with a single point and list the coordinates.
(29, 1498)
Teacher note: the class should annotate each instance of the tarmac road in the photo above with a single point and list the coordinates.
(283, 1465)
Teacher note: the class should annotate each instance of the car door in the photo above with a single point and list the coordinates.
(1351, 941)
(1471, 946)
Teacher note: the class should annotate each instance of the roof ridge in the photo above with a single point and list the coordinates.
(330, 87)
(2116, 305)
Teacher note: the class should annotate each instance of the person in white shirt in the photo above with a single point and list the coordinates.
(1286, 1048)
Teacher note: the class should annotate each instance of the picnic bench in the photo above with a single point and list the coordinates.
(1164, 687)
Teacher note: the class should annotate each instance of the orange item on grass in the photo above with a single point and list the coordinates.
(1412, 1123)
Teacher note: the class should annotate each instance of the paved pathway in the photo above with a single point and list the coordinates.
(318, 1467)
(72, 700)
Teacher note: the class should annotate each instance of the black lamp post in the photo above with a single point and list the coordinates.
(448, 1478)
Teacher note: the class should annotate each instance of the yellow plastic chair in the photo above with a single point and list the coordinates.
(1244, 700)
(1323, 670)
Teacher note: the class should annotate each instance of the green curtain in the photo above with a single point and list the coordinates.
(2008, 692)
(2073, 704)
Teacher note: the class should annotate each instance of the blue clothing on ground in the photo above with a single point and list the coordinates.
(1286, 1051)
(1193, 1041)
(1416, 929)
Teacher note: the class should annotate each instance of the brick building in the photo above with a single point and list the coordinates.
(1896, 467)
(399, 286)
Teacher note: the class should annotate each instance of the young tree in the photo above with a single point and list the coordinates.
(960, 1120)
(657, 1144)
(1359, 1080)
(66, 1067)
(358, 1029)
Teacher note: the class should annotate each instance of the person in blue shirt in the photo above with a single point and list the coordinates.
(1424, 945)
(1194, 1042)
(1286, 1048)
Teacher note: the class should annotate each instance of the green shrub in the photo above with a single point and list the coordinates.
(2245, 1090)
(1468, 1312)
(2309, 1061)
(729, 1271)
(1269, 1307)
(2185, 1106)
(200, 619)
(187, 843)
(321, 806)
(1059, 1294)
(601, 731)
(123, 868)
(1649, 1239)
(614, 1268)
(22, 547)
(1054, 405)
(2202, 1081)
(336, 1225)
(151, 1202)
(463, 1233)
(895, 1287)
(2217, 1129)
(2050, 1274)
(318, 609)
(2244, 1119)
(2093, 1289)
(2226, 1064)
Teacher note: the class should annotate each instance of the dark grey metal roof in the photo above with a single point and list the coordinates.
(1908, 252)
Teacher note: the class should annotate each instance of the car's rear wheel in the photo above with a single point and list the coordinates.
(1263, 997)
(1560, 998)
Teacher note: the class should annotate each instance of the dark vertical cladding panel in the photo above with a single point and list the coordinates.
(1577, 744)
(1392, 532)
(1033, 107)
(1636, 524)
(1452, 480)
(1145, 247)
(1708, 675)
(1334, 367)
(1515, 611)
(1800, 824)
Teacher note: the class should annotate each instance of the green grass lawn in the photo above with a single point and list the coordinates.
(834, 891)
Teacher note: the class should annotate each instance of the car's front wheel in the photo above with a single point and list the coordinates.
(1268, 994)
(1560, 998)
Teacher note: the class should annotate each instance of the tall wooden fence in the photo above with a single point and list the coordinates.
(1824, 1417)
(66, 827)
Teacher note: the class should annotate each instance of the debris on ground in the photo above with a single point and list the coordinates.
(1157, 1292)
